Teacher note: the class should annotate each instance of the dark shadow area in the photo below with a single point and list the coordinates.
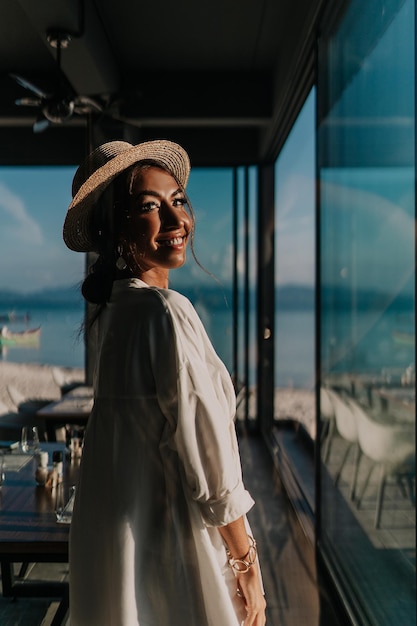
(296, 592)
(388, 599)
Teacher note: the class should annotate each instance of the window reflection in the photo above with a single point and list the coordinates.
(295, 274)
(367, 394)
(210, 191)
(246, 294)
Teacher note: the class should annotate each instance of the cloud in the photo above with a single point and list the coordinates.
(380, 228)
(21, 227)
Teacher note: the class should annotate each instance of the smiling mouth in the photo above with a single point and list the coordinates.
(175, 241)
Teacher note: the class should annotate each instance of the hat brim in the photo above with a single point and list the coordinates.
(78, 222)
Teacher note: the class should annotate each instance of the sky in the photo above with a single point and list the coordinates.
(368, 211)
(33, 204)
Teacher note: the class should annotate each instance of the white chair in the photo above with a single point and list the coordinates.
(345, 426)
(327, 422)
(4, 409)
(15, 395)
(26, 409)
(391, 448)
(62, 380)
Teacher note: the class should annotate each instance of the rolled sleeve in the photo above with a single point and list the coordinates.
(227, 509)
(201, 412)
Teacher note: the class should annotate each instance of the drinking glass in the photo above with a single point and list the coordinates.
(29, 441)
(2, 467)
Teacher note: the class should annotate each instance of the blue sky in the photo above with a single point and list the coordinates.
(33, 203)
(372, 207)
(32, 210)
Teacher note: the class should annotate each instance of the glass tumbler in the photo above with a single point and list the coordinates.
(29, 441)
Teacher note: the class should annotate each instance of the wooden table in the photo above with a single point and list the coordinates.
(73, 408)
(29, 532)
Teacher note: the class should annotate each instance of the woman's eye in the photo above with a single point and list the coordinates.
(147, 207)
(179, 202)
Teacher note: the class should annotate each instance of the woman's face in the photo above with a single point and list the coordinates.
(159, 226)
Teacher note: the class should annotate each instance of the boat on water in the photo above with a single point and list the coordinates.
(29, 337)
(12, 316)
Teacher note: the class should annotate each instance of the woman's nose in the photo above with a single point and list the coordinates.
(171, 217)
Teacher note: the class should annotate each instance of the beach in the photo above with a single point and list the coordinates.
(33, 381)
(36, 381)
(290, 403)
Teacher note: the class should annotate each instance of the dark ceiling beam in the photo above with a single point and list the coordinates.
(190, 95)
(20, 146)
(210, 147)
(204, 99)
(217, 147)
(218, 115)
(88, 62)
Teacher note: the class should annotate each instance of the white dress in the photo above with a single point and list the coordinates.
(160, 471)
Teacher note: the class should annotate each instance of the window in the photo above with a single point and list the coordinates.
(295, 273)
(39, 276)
(367, 220)
(211, 291)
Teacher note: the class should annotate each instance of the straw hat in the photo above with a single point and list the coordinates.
(97, 172)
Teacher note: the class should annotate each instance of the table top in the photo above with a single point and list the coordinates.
(401, 394)
(28, 524)
(76, 404)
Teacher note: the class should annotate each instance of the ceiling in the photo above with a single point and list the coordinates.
(214, 75)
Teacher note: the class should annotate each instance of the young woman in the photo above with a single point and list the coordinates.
(159, 535)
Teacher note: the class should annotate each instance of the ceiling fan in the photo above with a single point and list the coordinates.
(60, 106)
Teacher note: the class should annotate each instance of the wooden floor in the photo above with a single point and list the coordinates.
(294, 595)
(287, 557)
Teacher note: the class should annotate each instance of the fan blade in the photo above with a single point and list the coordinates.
(85, 104)
(30, 86)
(41, 125)
(28, 102)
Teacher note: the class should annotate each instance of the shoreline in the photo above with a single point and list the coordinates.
(33, 381)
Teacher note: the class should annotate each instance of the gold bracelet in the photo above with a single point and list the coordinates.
(243, 565)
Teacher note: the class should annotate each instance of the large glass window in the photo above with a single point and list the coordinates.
(39, 276)
(295, 235)
(245, 221)
(211, 289)
(367, 216)
(295, 273)
(224, 202)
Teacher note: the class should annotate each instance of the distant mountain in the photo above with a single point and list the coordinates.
(68, 296)
(220, 297)
(295, 298)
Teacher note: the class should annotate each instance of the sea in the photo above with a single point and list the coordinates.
(372, 347)
(61, 342)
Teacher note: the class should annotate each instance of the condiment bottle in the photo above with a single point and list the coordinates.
(57, 460)
(41, 473)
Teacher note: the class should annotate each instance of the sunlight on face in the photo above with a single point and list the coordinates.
(158, 226)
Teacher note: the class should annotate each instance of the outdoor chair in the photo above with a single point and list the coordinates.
(391, 449)
(64, 383)
(327, 421)
(27, 408)
(345, 426)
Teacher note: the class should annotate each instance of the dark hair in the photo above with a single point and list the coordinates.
(108, 218)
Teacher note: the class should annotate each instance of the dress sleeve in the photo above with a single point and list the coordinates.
(199, 406)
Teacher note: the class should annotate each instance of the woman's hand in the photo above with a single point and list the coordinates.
(248, 582)
(249, 588)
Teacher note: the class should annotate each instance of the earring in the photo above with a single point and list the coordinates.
(120, 262)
